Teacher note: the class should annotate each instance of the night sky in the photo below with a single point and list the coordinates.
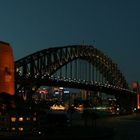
(33, 25)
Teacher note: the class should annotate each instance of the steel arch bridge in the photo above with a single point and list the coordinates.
(79, 66)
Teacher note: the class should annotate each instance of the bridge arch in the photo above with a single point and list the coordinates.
(48, 61)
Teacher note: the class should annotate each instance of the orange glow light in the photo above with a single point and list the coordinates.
(6, 69)
(138, 101)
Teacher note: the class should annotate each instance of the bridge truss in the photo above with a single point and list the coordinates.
(72, 63)
(76, 66)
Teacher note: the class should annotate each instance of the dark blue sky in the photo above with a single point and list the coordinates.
(32, 25)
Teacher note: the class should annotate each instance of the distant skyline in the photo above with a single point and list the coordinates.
(33, 25)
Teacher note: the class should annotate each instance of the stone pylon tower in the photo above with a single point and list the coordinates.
(6, 69)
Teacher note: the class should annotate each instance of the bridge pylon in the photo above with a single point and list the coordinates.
(7, 80)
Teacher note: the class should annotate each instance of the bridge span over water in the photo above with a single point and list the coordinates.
(76, 66)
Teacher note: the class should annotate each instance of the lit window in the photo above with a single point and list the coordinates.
(20, 119)
(28, 119)
(34, 119)
(20, 129)
(13, 119)
(13, 128)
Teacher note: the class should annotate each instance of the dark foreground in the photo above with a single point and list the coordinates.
(107, 128)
